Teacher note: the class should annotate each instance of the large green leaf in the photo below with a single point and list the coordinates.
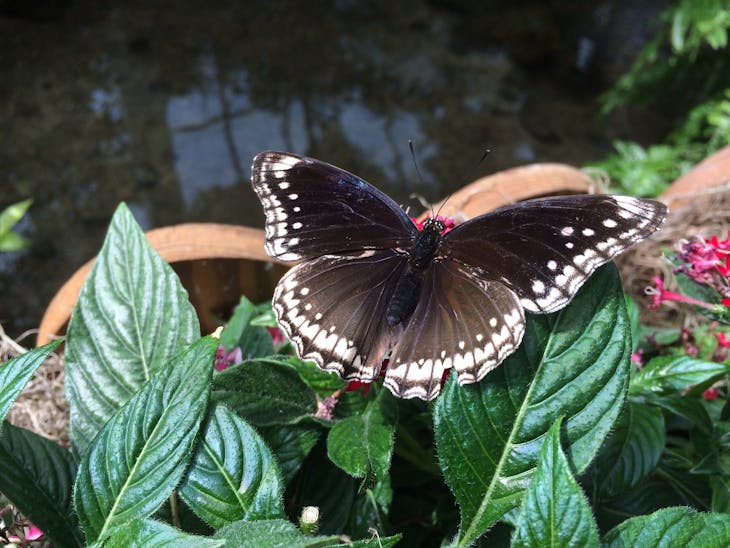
(265, 391)
(150, 532)
(132, 316)
(140, 455)
(678, 526)
(15, 373)
(362, 444)
(631, 452)
(573, 363)
(233, 475)
(38, 476)
(674, 373)
(555, 511)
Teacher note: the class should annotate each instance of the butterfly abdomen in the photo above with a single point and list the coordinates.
(405, 296)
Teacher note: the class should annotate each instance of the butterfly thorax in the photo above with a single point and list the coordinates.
(405, 296)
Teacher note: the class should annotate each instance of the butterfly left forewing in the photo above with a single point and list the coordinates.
(546, 249)
(313, 208)
(462, 320)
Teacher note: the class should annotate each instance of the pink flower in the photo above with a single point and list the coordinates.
(326, 407)
(277, 337)
(637, 357)
(660, 295)
(31, 533)
(223, 359)
(722, 340)
(711, 393)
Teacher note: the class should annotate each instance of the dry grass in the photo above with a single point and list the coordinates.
(41, 406)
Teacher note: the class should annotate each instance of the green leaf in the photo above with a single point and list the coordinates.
(140, 455)
(291, 444)
(38, 476)
(15, 374)
(273, 533)
(555, 511)
(375, 541)
(672, 484)
(10, 241)
(132, 316)
(10, 216)
(678, 526)
(370, 509)
(150, 532)
(666, 374)
(362, 444)
(324, 383)
(573, 363)
(633, 310)
(233, 475)
(632, 451)
(254, 341)
(265, 391)
(322, 484)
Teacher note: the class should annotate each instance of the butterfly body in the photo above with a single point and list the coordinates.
(370, 284)
(406, 292)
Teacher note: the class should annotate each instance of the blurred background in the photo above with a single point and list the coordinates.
(164, 107)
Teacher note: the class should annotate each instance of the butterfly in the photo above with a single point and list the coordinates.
(371, 284)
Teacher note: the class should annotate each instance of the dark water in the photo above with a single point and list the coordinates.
(164, 107)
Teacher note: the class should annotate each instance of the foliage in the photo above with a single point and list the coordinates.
(687, 58)
(9, 217)
(561, 444)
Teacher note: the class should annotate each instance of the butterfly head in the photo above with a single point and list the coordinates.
(440, 225)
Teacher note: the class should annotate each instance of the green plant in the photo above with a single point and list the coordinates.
(182, 440)
(9, 217)
(686, 59)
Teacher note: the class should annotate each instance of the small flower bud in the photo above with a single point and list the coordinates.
(309, 520)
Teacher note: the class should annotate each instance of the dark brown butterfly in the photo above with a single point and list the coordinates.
(371, 284)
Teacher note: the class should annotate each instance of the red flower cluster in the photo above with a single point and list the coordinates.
(707, 262)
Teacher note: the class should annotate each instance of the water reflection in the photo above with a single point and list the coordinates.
(166, 109)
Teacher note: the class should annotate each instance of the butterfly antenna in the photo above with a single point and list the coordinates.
(418, 171)
(486, 153)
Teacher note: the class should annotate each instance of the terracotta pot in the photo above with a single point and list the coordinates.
(218, 263)
(711, 174)
(513, 185)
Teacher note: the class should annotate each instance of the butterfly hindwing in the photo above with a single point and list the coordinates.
(313, 208)
(462, 321)
(333, 309)
(546, 249)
